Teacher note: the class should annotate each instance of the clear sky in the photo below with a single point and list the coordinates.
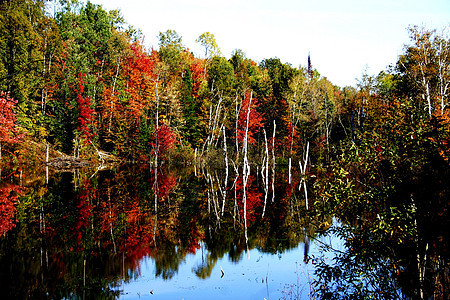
(344, 37)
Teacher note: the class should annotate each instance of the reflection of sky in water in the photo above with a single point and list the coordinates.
(286, 273)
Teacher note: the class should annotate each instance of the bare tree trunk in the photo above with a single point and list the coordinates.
(46, 153)
(238, 111)
(273, 161)
(246, 168)
(209, 129)
(246, 128)
(420, 267)
(303, 174)
(76, 147)
(155, 188)
(427, 95)
(212, 195)
(156, 148)
(195, 161)
(265, 172)
(110, 220)
(226, 169)
(112, 95)
(425, 83)
(212, 125)
(43, 76)
(216, 121)
(155, 194)
(157, 103)
(206, 59)
(235, 209)
(46, 163)
(443, 54)
(289, 170)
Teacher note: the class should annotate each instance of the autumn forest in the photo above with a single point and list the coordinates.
(82, 81)
(78, 83)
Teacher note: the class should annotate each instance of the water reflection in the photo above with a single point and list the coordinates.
(86, 233)
(103, 234)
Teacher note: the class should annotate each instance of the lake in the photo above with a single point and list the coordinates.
(140, 232)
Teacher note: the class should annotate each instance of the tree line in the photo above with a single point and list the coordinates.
(80, 79)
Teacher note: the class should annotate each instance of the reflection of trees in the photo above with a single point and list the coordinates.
(9, 195)
(282, 228)
(394, 210)
(167, 260)
(204, 269)
(87, 239)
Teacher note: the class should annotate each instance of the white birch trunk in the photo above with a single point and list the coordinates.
(246, 169)
(156, 150)
(265, 173)
(112, 95)
(226, 169)
(238, 111)
(273, 161)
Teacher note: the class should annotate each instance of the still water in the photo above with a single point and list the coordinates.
(139, 232)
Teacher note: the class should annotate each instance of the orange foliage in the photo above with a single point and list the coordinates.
(255, 119)
(255, 198)
(9, 130)
(166, 140)
(140, 79)
(9, 195)
(197, 75)
(166, 184)
(86, 116)
(85, 212)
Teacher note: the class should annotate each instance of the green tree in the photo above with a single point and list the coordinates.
(26, 40)
(91, 46)
(280, 75)
(423, 69)
(170, 51)
(190, 110)
(275, 107)
(221, 76)
(208, 41)
(170, 39)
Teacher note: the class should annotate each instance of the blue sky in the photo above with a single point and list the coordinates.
(344, 37)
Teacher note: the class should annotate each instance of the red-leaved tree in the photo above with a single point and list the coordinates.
(253, 117)
(9, 195)
(165, 140)
(86, 112)
(9, 130)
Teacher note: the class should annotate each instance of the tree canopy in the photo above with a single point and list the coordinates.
(82, 80)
